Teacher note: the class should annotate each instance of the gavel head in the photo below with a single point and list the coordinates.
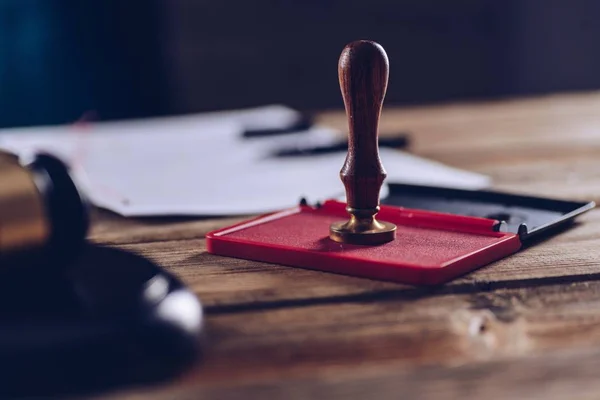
(43, 216)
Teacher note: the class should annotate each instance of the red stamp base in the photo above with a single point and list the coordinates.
(430, 248)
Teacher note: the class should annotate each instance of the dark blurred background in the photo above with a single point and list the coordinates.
(60, 59)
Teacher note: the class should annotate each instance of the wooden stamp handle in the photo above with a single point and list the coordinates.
(363, 72)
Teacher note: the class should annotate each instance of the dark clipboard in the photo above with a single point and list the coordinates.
(532, 218)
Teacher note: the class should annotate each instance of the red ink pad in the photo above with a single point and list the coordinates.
(430, 247)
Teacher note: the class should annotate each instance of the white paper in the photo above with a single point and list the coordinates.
(201, 165)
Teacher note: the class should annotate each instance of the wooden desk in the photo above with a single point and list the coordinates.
(526, 326)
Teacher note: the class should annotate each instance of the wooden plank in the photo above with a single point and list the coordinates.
(426, 346)
(555, 376)
(109, 228)
(233, 283)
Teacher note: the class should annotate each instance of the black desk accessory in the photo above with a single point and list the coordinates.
(303, 123)
(76, 317)
(111, 318)
(529, 216)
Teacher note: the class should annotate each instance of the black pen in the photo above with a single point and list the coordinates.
(304, 123)
(400, 140)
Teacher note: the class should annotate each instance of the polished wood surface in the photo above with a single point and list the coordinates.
(527, 326)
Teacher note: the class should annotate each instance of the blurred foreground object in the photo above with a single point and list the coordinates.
(109, 319)
(42, 214)
(80, 318)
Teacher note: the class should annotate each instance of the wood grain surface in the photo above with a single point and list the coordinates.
(527, 326)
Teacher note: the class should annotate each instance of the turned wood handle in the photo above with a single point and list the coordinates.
(363, 72)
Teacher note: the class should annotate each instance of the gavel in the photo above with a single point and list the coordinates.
(43, 215)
